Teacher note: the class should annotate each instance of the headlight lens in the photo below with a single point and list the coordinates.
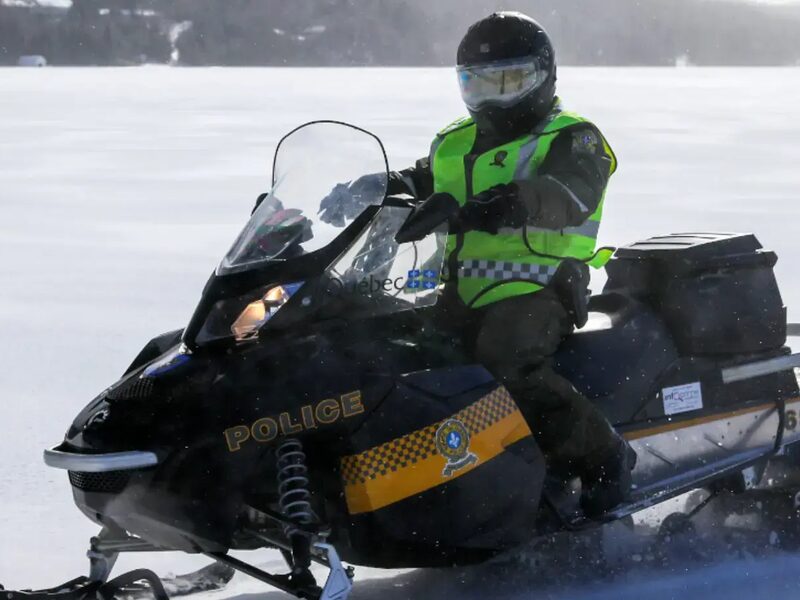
(255, 314)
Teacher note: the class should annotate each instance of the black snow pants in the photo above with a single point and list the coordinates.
(515, 340)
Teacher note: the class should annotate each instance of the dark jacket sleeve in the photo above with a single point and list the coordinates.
(572, 179)
(416, 181)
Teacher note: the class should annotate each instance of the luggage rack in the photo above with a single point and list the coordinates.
(765, 367)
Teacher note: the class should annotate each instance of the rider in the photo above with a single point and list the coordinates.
(530, 179)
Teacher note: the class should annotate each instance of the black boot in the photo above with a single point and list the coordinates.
(607, 483)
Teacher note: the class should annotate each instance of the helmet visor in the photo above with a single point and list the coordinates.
(500, 83)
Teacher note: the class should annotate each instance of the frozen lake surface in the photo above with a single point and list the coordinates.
(120, 189)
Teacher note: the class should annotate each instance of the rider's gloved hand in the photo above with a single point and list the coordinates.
(347, 200)
(438, 208)
(369, 189)
(499, 206)
(333, 206)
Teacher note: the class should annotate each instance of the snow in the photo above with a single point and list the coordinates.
(120, 189)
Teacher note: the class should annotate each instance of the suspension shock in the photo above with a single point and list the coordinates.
(294, 500)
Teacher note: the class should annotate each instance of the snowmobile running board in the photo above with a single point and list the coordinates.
(646, 497)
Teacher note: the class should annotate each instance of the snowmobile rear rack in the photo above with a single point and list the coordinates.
(765, 367)
(760, 368)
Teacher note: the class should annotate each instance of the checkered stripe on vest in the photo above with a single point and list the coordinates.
(493, 269)
(418, 445)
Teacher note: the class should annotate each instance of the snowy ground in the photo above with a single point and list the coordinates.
(120, 189)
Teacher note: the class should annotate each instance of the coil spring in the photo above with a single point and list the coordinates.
(294, 498)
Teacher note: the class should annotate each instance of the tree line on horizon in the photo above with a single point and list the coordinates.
(385, 32)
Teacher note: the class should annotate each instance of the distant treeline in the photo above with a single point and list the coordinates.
(388, 32)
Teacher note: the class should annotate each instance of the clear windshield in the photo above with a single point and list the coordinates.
(319, 187)
(324, 175)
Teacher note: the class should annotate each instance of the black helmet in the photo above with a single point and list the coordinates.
(507, 73)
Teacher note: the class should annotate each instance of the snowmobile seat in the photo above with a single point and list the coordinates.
(615, 358)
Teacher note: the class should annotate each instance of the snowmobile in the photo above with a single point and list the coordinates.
(316, 405)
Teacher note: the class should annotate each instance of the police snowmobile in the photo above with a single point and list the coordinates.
(312, 405)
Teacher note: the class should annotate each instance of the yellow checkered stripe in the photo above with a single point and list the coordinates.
(419, 445)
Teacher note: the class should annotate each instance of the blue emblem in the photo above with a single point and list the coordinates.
(427, 279)
(454, 440)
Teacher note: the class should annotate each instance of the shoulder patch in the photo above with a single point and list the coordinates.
(585, 141)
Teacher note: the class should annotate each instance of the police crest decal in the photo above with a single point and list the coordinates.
(452, 441)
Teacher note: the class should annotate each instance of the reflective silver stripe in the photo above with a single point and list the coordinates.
(588, 229)
(99, 463)
(437, 141)
(526, 152)
(516, 231)
(498, 270)
(583, 208)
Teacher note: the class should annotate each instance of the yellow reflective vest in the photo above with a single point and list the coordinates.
(513, 262)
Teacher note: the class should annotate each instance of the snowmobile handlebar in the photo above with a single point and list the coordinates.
(427, 216)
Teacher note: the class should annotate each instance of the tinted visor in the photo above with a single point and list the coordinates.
(500, 83)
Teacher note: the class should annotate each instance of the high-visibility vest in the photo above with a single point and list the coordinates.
(513, 262)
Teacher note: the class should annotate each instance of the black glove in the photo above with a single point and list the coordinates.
(347, 200)
(427, 216)
(499, 206)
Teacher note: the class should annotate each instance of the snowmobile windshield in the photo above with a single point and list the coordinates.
(321, 244)
(318, 187)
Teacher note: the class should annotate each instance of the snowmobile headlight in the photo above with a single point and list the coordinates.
(255, 314)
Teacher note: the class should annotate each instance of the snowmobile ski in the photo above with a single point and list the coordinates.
(140, 583)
